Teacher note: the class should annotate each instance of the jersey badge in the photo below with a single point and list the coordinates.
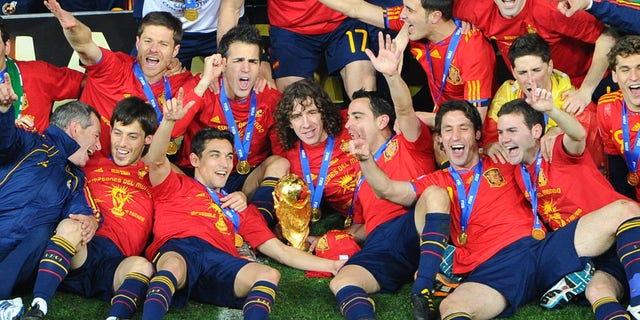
(454, 76)
(494, 178)
(391, 150)
(542, 178)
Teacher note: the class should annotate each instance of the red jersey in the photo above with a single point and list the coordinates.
(112, 79)
(571, 39)
(200, 217)
(303, 16)
(264, 141)
(561, 197)
(42, 85)
(500, 215)
(401, 160)
(340, 182)
(123, 195)
(472, 69)
(610, 121)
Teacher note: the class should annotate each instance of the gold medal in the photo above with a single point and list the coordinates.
(538, 234)
(243, 167)
(462, 237)
(191, 14)
(347, 222)
(173, 148)
(239, 241)
(632, 179)
(315, 214)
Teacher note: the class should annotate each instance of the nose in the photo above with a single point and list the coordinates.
(403, 15)
(305, 121)
(97, 146)
(634, 74)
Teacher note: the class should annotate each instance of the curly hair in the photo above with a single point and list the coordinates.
(305, 92)
(625, 47)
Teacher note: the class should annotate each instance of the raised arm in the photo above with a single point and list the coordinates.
(78, 34)
(358, 9)
(228, 16)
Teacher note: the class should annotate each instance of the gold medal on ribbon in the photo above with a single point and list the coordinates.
(538, 234)
(347, 222)
(462, 237)
(239, 241)
(173, 148)
(243, 167)
(316, 214)
(191, 14)
(632, 179)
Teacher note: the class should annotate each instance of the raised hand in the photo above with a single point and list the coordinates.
(358, 145)
(67, 20)
(174, 109)
(389, 59)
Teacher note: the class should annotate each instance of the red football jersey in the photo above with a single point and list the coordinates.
(500, 215)
(123, 195)
(571, 39)
(303, 16)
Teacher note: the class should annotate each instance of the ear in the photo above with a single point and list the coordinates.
(383, 121)
(614, 76)
(73, 129)
(138, 43)
(478, 135)
(8, 46)
(435, 16)
(175, 50)
(148, 139)
(536, 131)
(550, 65)
(193, 158)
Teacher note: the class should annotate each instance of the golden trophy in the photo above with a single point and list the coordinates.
(293, 208)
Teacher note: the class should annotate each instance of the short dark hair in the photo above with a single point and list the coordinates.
(379, 106)
(164, 19)
(3, 29)
(245, 33)
(626, 46)
(520, 106)
(132, 109)
(530, 44)
(73, 111)
(444, 6)
(205, 134)
(301, 92)
(467, 108)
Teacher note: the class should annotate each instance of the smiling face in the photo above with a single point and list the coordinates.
(156, 48)
(241, 67)
(509, 8)
(214, 166)
(362, 121)
(515, 136)
(128, 143)
(530, 71)
(627, 76)
(306, 122)
(88, 138)
(415, 16)
(459, 139)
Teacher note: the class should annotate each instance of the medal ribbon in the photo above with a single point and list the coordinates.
(466, 200)
(149, 93)
(318, 190)
(228, 212)
(532, 188)
(241, 147)
(190, 4)
(376, 156)
(16, 83)
(630, 156)
(451, 50)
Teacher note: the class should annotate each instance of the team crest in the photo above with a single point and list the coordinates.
(531, 29)
(454, 76)
(25, 102)
(142, 173)
(323, 244)
(259, 113)
(494, 178)
(542, 178)
(9, 7)
(344, 146)
(391, 150)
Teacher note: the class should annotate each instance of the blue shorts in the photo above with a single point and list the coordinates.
(211, 273)
(301, 54)
(525, 269)
(94, 279)
(608, 262)
(236, 181)
(196, 44)
(391, 253)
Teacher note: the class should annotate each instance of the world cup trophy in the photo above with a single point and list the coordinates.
(293, 208)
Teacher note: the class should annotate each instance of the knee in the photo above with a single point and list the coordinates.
(433, 199)
(71, 230)
(276, 166)
(340, 281)
(138, 265)
(174, 263)
(270, 275)
(630, 209)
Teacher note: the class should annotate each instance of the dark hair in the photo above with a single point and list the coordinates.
(531, 116)
(626, 46)
(164, 19)
(305, 92)
(444, 6)
(205, 134)
(5, 34)
(468, 109)
(73, 111)
(379, 106)
(245, 33)
(132, 109)
(530, 44)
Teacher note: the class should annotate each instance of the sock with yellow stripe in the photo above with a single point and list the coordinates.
(161, 289)
(627, 240)
(263, 199)
(53, 268)
(609, 309)
(355, 303)
(258, 304)
(433, 241)
(457, 316)
(125, 301)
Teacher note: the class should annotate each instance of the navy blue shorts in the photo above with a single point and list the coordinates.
(211, 273)
(236, 181)
(609, 263)
(525, 269)
(391, 253)
(294, 54)
(94, 279)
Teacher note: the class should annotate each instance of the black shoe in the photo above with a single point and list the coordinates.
(422, 306)
(34, 313)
